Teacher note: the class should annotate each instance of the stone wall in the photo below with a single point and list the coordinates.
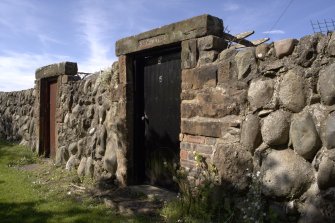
(17, 117)
(88, 129)
(271, 109)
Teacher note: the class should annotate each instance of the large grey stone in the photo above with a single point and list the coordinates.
(330, 131)
(303, 135)
(331, 45)
(284, 47)
(189, 54)
(319, 206)
(275, 128)
(291, 92)
(306, 50)
(72, 163)
(63, 68)
(285, 174)
(211, 43)
(245, 60)
(103, 137)
(260, 92)
(326, 173)
(90, 112)
(207, 57)
(77, 109)
(81, 167)
(227, 74)
(102, 114)
(228, 54)
(89, 167)
(262, 50)
(326, 85)
(110, 159)
(73, 149)
(62, 155)
(233, 163)
(251, 136)
(81, 145)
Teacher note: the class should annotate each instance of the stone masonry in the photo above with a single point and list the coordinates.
(269, 108)
(16, 117)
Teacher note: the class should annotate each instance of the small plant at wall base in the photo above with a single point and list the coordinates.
(200, 199)
(254, 205)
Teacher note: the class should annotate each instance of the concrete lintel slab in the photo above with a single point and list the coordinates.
(53, 70)
(195, 27)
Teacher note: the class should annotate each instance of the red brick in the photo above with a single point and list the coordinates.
(183, 154)
(186, 146)
(194, 139)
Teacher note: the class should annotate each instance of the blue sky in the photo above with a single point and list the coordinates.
(34, 33)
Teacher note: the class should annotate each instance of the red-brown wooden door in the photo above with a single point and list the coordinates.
(52, 87)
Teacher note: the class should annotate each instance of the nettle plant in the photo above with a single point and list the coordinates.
(200, 199)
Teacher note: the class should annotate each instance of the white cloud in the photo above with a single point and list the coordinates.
(22, 19)
(276, 31)
(17, 69)
(46, 39)
(229, 7)
(94, 27)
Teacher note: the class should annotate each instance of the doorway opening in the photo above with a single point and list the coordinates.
(157, 88)
(48, 97)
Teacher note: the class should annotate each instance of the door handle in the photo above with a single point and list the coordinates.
(144, 117)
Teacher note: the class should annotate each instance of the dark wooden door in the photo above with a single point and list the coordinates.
(160, 115)
(52, 118)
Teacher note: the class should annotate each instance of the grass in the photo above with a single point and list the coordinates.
(44, 194)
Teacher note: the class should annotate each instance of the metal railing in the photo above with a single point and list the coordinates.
(325, 26)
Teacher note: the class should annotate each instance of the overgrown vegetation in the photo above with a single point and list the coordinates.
(45, 193)
(203, 199)
(200, 198)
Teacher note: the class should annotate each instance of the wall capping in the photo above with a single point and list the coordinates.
(56, 69)
(195, 27)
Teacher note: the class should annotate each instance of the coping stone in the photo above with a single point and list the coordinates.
(195, 27)
(56, 69)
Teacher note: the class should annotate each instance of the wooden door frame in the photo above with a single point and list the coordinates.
(44, 130)
(137, 174)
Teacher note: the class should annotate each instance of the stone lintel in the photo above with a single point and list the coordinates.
(195, 27)
(53, 70)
